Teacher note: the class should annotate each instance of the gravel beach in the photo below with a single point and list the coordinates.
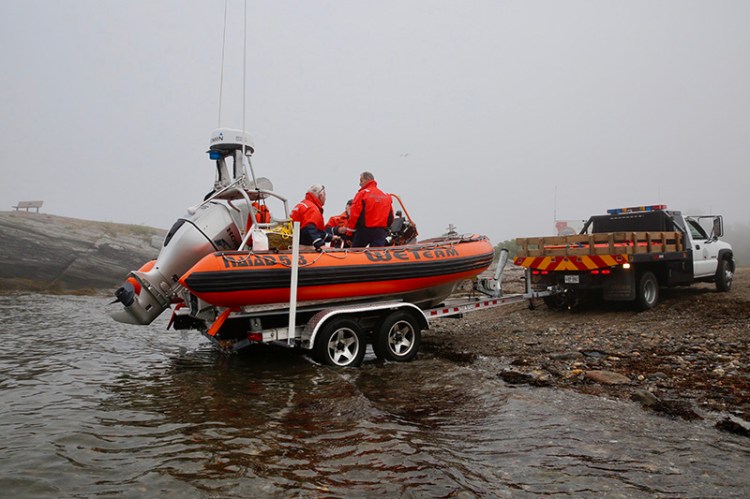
(686, 357)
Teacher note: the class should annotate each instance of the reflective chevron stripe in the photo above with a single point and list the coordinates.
(559, 263)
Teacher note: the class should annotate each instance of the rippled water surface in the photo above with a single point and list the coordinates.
(92, 407)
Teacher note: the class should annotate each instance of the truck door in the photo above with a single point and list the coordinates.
(705, 250)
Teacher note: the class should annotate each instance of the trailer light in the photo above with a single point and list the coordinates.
(606, 271)
(626, 266)
(594, 272)
(255, 336)
(545, 272)
(535, 272)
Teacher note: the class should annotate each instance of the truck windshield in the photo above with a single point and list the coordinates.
(696, 231)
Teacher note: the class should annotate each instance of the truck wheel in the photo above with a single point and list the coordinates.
(340, 343)
(555, 302)
(724, 275)
(398, 338)
(648, 291)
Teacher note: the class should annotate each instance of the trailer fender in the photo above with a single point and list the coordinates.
(314, 325)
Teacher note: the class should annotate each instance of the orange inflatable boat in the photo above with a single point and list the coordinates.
(423, 273)
(228, 252)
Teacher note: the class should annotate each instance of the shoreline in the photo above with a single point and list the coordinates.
(689, 355)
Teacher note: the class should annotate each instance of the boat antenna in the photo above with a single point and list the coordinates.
(223, 47)
(244, 92)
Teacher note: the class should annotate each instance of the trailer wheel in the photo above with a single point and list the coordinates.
(724, 275)
(398, 338)
(340, 343)
(648, 291)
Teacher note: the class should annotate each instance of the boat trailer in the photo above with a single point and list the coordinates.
(338, 334)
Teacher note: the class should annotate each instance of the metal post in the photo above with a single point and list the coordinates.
(293, 285)
(501, 262)
(528, 280)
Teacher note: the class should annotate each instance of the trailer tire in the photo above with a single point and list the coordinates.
(398, 338)
(724, 275)
(340, 343)
(647, 292)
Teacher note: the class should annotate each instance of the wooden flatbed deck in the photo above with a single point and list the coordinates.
(613, 243)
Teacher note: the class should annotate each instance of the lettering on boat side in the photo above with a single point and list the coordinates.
(234, 261)
(250, 260)
(409, 255)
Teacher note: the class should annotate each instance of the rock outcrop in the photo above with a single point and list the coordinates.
(39, 251)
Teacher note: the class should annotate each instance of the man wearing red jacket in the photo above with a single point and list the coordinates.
(309, 214)
(371, 214)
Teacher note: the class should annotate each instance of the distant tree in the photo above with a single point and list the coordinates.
(510, 245)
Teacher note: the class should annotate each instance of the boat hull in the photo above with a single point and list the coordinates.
(423, 273)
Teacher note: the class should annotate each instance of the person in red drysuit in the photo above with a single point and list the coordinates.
(337, 224)
(309, 214)
(371, 214)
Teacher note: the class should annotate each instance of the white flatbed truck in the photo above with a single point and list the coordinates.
(627, 255)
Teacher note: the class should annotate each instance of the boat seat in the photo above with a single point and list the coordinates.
(402, 231)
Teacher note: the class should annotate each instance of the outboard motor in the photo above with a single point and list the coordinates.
(147, 293)
(206, 229)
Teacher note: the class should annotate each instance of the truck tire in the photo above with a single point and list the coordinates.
(724, 275)
(648, 291)
(340, 343)
(398, 338)
(555, 302)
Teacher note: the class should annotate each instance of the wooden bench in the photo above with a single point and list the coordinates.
(27, 205)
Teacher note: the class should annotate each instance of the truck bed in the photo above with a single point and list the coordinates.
(612, 243)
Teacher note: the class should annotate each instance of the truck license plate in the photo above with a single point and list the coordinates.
(572, 279)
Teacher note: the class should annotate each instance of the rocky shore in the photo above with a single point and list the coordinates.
(686, 358)
(42, 252)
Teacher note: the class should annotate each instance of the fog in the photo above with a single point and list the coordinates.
(497, 117)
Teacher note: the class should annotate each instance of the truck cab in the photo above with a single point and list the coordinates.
(707, 249)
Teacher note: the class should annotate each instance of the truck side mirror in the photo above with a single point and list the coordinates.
(718, 228)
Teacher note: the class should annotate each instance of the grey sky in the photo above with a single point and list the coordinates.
(490, 115)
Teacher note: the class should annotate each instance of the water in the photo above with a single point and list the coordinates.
(92, 407)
